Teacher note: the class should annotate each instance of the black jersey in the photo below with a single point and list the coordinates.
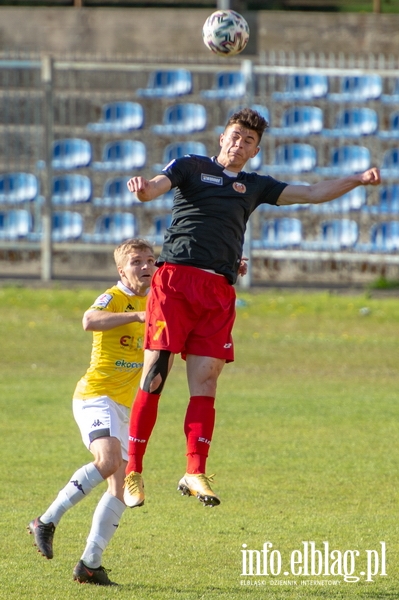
(210, 212)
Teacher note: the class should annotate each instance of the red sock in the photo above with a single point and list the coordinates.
(142, 420)
(198, 427)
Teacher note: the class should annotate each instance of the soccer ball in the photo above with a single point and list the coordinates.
(225, 32)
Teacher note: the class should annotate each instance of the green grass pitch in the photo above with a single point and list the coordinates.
(306, 449)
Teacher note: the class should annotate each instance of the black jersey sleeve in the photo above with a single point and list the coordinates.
(272, 189)
(179, 169)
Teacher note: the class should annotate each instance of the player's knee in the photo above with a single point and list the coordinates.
(108, 465)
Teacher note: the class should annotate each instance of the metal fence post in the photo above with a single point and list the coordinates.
(48, 111)
(245, 282)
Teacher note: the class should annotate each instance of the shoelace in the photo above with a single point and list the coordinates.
(206, 479)
(47, 531)
(134, 484)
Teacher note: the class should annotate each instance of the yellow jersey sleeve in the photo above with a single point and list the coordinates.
(117, 355)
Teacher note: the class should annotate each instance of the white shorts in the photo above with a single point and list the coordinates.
(102, 417)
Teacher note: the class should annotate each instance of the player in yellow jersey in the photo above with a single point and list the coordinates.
(101, 406)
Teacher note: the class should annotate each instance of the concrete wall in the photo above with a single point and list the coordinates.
(177, 32)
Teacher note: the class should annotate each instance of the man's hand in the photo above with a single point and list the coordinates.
(146, 190)
(370, 177)
(137, 184)
(243, 268)
(140, 316)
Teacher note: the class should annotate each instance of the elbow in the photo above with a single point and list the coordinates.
(87, 322)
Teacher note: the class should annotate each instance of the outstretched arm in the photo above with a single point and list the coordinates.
(99, 320)
(324, 191)
(146, 190)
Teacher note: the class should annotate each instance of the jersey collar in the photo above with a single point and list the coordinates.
(127, 291)
(225, 171)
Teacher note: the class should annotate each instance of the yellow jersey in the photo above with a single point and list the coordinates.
(117, 354)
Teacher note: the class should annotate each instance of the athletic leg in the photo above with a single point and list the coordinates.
(106, 519)
(107, 460)
(143, 416)
(202, 375)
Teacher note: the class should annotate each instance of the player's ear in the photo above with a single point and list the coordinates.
(221, 138)
(256, 152)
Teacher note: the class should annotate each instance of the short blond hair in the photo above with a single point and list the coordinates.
(122, 252)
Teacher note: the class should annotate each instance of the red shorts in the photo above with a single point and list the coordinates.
(190, 311)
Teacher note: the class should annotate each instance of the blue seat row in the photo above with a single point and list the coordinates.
(299, 86)
(72, 188)
(298, 158)
(68, 226)
(283, 232)
(334, 235)
(296, 121)
(307, 86)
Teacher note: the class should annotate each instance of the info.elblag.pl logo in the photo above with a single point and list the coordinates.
(310, 561)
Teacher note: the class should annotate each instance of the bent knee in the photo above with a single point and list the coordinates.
(109, 465)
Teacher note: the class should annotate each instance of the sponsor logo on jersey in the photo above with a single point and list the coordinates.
(129, 307)
(123, 364)
(211, 179)
(103, 300)
(126, 340)
(239, 187)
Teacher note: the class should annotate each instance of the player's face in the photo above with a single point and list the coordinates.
(138, 270)
(238, 145)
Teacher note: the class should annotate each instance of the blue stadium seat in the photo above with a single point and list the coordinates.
(167, 84)
(279, 233)
(346, 160)
(179, 149)
(390, 163)
(393, 131)
(392, 98)
(18, 187)
(119, 116)
(71, 188)
(116, 193)
(122, 155)
(353, 200)
(292, 158)
(303, 86)
(181, 119)
(262, 110)
(353, 122)
(358, 88)
(337, 234)
(299, 121)
(388, 200)
(67, 226)
(15, 224)
(113, 229)
(164, 202)
(159, 227)
(228, 85)
(71, 153)
(255, 164)
(384, 237)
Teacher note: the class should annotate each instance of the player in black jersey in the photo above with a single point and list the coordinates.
(191, 308)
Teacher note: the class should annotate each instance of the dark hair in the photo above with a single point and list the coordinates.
(250, 119)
